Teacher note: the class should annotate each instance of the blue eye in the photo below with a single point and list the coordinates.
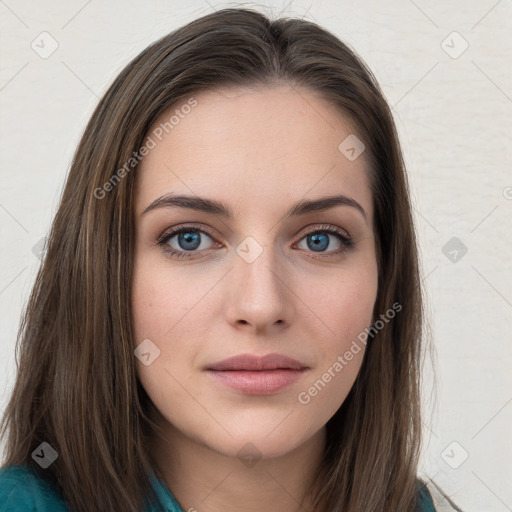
(318, 241)
(189, 241)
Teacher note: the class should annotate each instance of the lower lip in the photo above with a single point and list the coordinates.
(263, 382)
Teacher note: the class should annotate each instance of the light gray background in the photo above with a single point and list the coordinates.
(453, 109)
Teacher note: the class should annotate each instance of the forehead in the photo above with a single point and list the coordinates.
(248, 146)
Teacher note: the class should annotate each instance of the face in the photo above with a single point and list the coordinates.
(262, 277)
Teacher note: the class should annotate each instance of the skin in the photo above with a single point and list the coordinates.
(259, 151)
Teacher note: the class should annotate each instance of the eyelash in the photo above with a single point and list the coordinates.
(347, 242)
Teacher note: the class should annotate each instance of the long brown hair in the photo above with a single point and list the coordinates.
(76, 385)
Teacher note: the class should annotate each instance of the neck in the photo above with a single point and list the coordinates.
(201, 478)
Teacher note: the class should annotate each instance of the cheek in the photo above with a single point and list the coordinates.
(340, 358)
(164, 309)
(345, 309)
(160, 315)
(344, 305)
(161, 301)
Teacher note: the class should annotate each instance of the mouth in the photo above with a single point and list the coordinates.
(257, 375)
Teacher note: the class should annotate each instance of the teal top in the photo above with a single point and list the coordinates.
(22, 490)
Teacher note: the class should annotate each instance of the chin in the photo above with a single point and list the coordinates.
(257, 442)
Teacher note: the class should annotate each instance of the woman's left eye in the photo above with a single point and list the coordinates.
(185, 242)
(319, 239)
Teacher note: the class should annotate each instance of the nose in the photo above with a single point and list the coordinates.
(260, 296)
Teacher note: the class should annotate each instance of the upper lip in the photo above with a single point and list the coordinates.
(255, 363)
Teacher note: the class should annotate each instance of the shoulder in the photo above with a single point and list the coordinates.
(22, 489)
(432, 499)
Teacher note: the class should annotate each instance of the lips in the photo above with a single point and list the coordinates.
(250, 362)
(255, 375)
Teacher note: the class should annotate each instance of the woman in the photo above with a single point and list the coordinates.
(229, 313)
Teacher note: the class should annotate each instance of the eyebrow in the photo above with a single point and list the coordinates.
(218, 208)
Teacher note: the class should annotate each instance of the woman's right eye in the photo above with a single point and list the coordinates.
(183, 242)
